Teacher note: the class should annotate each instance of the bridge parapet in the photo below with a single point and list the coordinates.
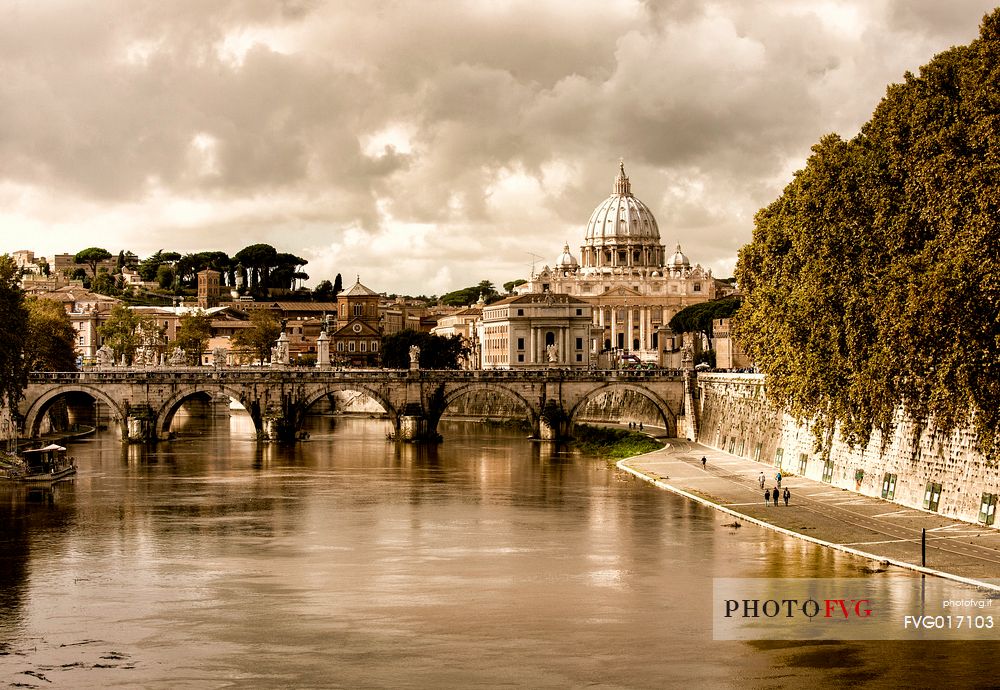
(242, 374)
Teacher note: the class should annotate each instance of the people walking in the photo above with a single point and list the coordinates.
(767, 497)
(787, 495)
(761, 480)
(703, 460)
(778, 478)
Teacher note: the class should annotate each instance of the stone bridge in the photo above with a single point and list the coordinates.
(143, 401)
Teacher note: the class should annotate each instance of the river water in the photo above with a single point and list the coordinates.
(350, 561)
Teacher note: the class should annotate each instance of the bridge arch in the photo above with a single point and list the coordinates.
(667, 414)
(452, 394)
(37, 408)
(311, 399)
(167, 410)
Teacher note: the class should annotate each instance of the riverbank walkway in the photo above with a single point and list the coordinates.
(838, 518)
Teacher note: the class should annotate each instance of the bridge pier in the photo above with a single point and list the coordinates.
(140, 425)
(281, 422)
(553, 422)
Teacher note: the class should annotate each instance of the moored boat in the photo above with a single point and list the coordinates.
(41, 465)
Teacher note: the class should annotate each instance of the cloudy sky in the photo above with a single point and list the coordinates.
(427, 145)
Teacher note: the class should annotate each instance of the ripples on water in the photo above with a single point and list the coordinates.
(350, 561)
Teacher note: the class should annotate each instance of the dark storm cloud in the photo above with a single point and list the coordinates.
(313, 124)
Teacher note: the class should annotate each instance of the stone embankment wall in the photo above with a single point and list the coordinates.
(915, 467)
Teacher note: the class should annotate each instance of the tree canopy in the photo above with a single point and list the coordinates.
(193, 331)
(873, 281)
(50, 344)
(91, 256)
(698, 317)
(123, 332)
(13, 333)
(436, 351)
(261, 336)
(470, 295)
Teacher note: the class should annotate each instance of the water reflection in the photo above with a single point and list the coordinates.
(349, 560)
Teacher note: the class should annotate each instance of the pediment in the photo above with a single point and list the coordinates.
(355, 328)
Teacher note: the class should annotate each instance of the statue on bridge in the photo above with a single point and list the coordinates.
(144, 357)
(178, 358)
(105, 357)
(220, 355)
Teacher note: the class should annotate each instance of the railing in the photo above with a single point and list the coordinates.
(237, 374)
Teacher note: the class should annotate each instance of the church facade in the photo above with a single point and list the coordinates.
(634, 286)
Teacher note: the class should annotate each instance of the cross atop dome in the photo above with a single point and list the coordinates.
(622, 186)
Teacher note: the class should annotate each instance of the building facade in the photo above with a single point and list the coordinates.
(536, 331)
(626, 274)
(356, 340)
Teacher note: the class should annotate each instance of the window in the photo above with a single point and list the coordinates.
(803, 464)
(364, 346)
(520, 312)
(550, 338)
(932, 496)
(579, 312)
(350, 346)
(888, 486)
(579, 343)
(988, 509)
(520, 358)
(357, 310)
(779, 456)
(520, 343)
(340, 346)
(828, 470)
(697, 287)
(579, 357)
(374, 346)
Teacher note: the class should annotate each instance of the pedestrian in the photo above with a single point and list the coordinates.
(778, 477)
(761, 480)
(787, 495)
(640, 426)
(767, 497)
(703, 460)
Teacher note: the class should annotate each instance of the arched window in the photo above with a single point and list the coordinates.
(550, 338)
(350, 346)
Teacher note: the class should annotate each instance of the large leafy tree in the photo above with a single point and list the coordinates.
(436, 351)
(13, 334)
(257, 260)
(50, 344)
(149, 266)
(260, 337)
(123, 332)
(873, 282)
(193, 332)
(91, 256)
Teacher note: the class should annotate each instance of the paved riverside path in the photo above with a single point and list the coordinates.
(878, 529)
